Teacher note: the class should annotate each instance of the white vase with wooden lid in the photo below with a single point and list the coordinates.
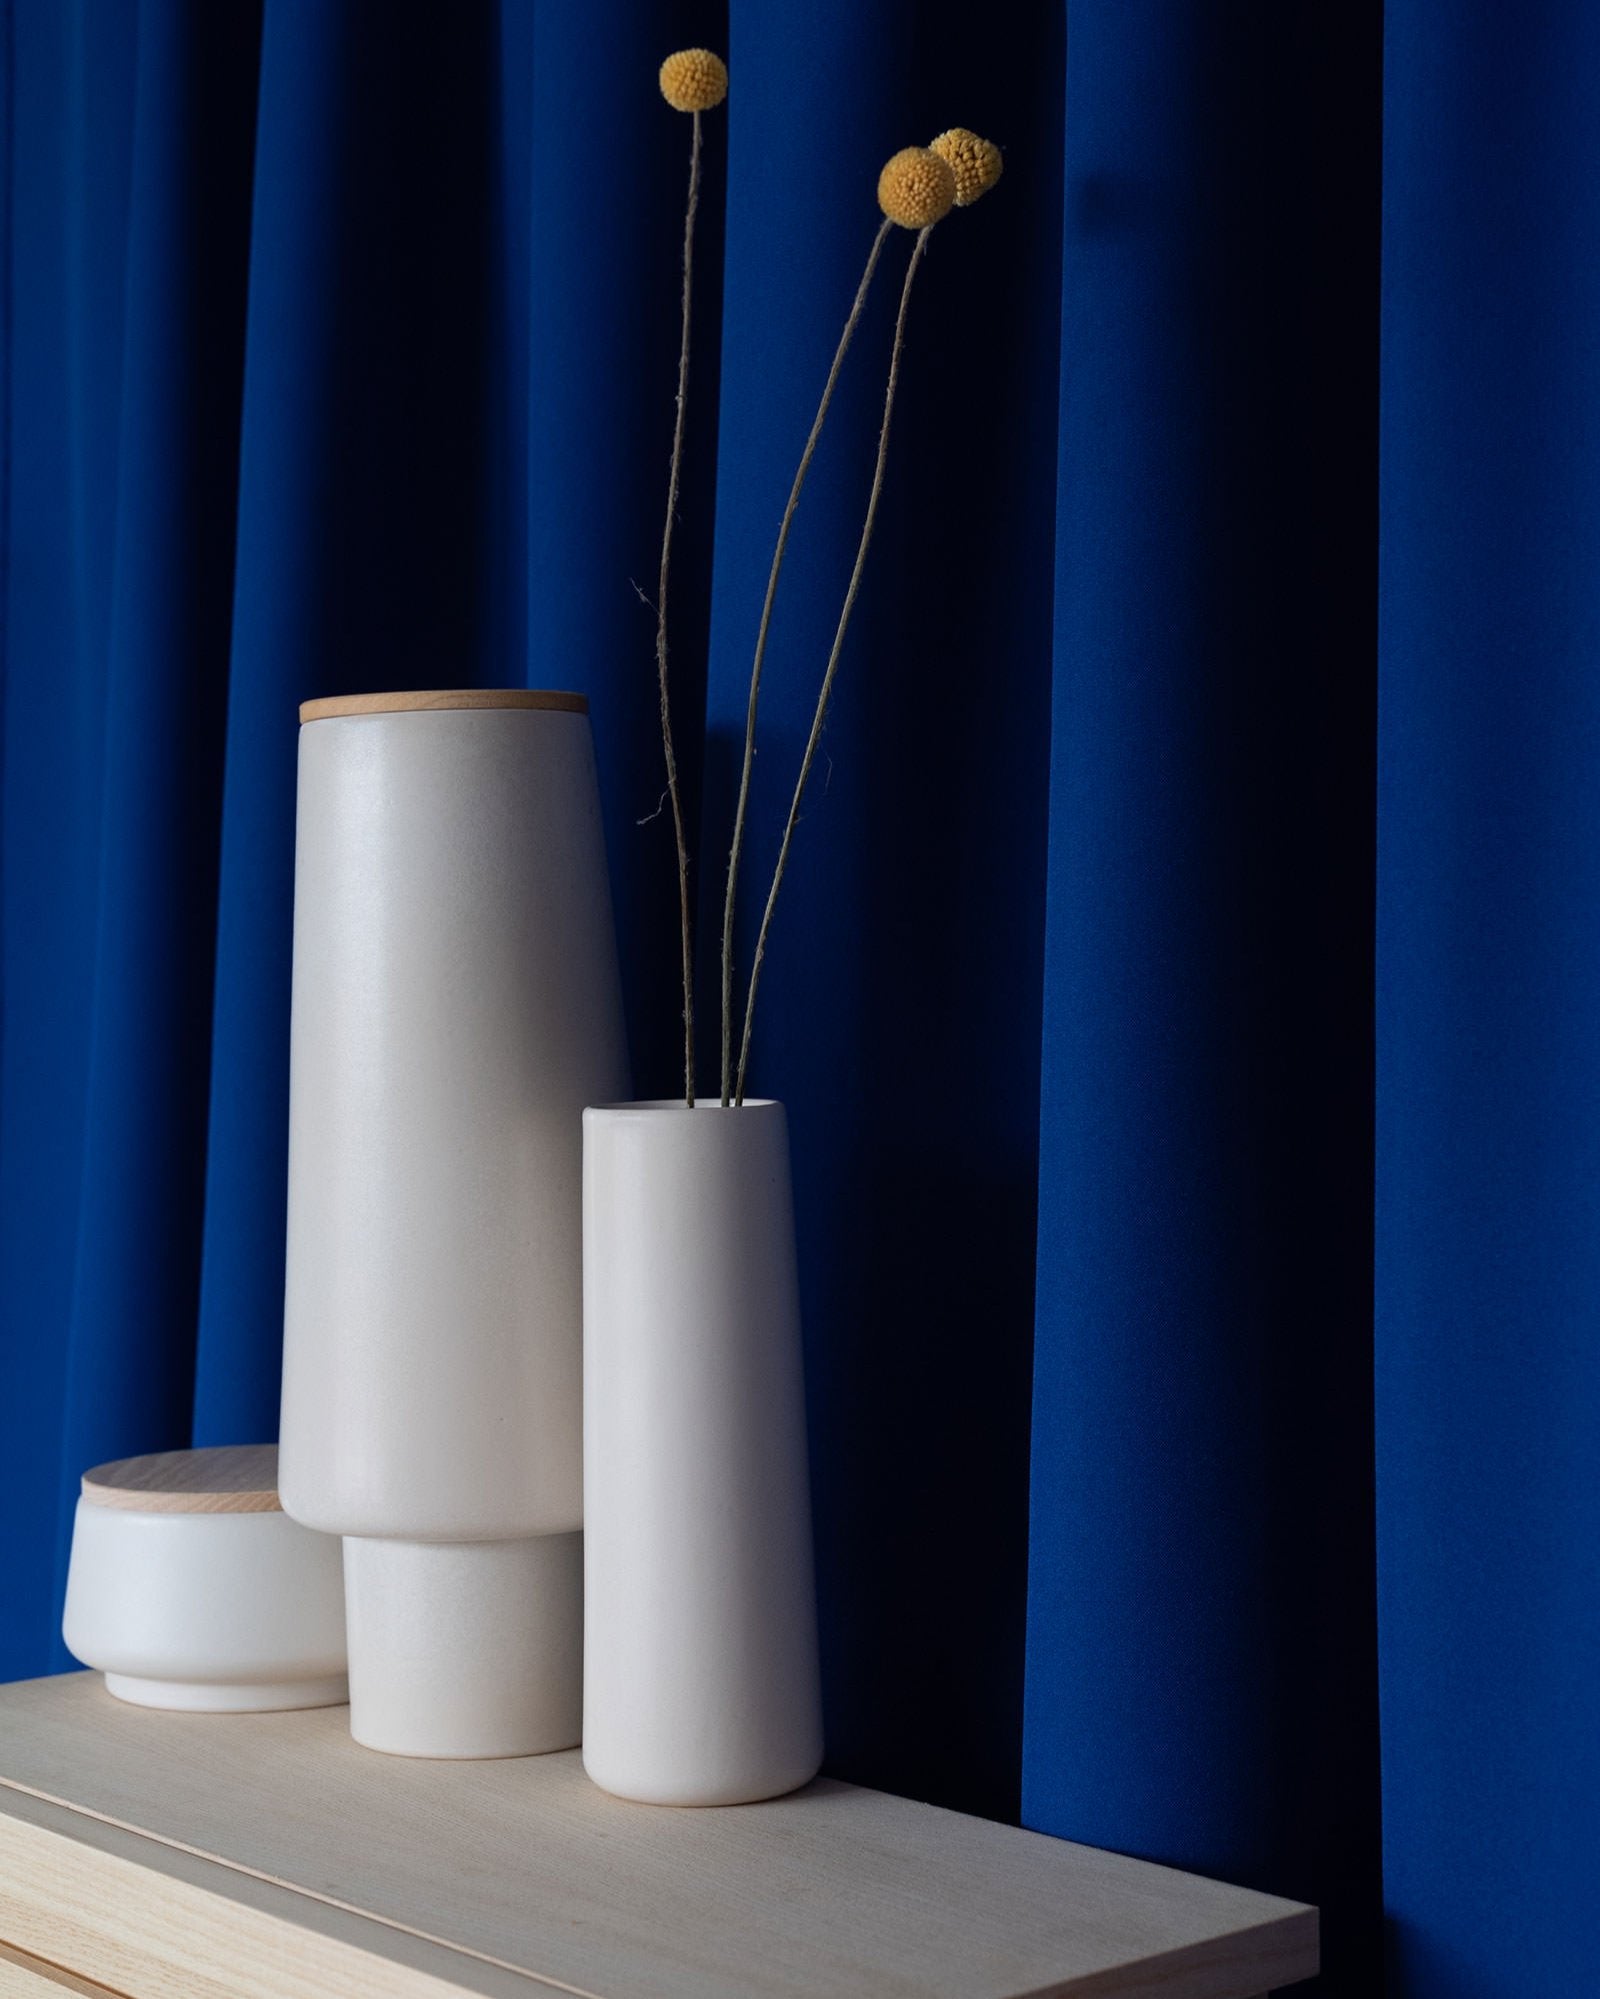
(456, 1005)
(190, 1587)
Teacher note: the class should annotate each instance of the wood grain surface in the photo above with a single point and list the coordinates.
(442, 698)
(24, 1976)
(228, 1478)
(521, 1873)
(153, 1921)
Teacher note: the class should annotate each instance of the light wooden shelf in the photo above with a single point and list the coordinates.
(162, 1855)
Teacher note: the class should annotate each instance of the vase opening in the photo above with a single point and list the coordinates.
(653, 1104)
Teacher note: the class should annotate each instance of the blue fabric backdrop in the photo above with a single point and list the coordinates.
(1200, 1618)
(1488, 1292)
(337, 340)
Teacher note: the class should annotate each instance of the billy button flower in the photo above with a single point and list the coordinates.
(975, 162)
(692, 80)
(916, 189)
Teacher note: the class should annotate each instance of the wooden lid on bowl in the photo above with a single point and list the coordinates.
(460, 697)
(228, 1478)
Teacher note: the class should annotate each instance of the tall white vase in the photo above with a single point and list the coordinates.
(701, 1682)
(456, 1004)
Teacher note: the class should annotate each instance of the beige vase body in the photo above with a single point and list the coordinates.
(456, 1005)
(701, 1679)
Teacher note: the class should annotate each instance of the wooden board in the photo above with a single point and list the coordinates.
(522, 1876)
(23, 1976)
(442, 698)
(153, 1921)
(228, 1478)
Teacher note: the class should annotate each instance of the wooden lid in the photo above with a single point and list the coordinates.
(228, 1478)
(460, 697)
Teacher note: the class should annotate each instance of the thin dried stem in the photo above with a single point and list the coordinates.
(736, 848)
(673, 483)
(826, 693)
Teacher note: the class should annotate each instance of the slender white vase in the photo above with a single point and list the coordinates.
(701, 1683)
(456, 1004)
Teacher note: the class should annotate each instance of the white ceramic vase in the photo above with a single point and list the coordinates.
(701, 1683)
(456, 1005)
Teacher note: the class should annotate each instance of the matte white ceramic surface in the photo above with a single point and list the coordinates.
(456, 1004)
(463, 1649)
(223, 1611)
(701, 1682)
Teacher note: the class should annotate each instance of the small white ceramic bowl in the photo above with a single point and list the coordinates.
(189, 1587)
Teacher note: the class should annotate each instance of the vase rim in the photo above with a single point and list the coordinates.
(655, 1106)
(441, 700)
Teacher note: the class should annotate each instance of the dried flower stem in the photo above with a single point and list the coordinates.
(825, 695)
(673, 483)
(736, 847)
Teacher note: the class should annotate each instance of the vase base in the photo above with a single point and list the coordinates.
(701, 1796)
(218, 1697)
(465, 1650)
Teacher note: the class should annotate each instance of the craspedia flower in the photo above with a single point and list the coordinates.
(694, 80)
(916, 188)
(975, 162)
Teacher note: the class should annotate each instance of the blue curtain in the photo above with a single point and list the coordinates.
(1488, 999)
(1201, 1643)
(1186, 987)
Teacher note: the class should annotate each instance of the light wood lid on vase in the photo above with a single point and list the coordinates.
(439, 699)
(227, 1478)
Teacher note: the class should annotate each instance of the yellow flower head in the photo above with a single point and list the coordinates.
(975, 162)
(916, 188)
(694, 80)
